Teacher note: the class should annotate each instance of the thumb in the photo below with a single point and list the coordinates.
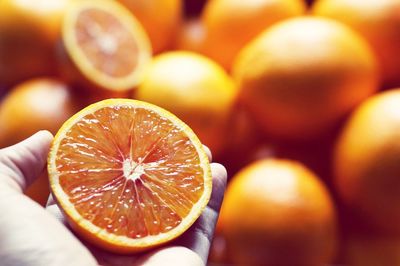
(22, 163)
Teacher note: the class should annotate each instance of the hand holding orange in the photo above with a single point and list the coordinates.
(128, 175)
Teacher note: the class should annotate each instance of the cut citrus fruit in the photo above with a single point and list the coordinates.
(128, 175)
(106, 46)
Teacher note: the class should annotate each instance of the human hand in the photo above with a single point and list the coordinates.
(32, 235)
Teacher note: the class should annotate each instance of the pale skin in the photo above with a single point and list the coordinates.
(32, 235)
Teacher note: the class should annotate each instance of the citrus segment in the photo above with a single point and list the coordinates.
(106, 44)
(130, 171)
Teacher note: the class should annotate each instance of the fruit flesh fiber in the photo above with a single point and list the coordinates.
(133, 173)
(105, 42)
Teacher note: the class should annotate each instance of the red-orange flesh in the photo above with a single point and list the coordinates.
(131, 172)
(106, 42)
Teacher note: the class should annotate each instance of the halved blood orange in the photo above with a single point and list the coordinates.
(128, 175)
(106, 45)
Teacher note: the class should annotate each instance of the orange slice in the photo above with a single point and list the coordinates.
(105, 44)
(128, 175)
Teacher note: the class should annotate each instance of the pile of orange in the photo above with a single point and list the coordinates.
(300, 100)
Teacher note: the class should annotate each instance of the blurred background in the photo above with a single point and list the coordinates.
(300, 100)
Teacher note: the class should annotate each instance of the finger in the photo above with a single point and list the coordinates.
(22, 163)
(177, 256)
(208, 152)
(55, 211)
(219, 184)
(198, 238)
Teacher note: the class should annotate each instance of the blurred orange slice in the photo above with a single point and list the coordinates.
(105, 44)
(128, 175)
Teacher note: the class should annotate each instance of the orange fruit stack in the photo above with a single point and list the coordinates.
(299, 100)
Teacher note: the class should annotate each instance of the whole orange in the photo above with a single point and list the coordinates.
(277, 212)
(195, 89)
(104, 50)
(28, 34)
(377, 21)
(32, 106)
(161, 20)
(302, 75)
(230, 24)
(367, 161)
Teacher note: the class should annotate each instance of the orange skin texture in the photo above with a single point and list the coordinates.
(161, 20)
(230, 24)
(277, 212)
(366, 164)
(378, 21)
(301, 76)
(32, 106)
(29, 31)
